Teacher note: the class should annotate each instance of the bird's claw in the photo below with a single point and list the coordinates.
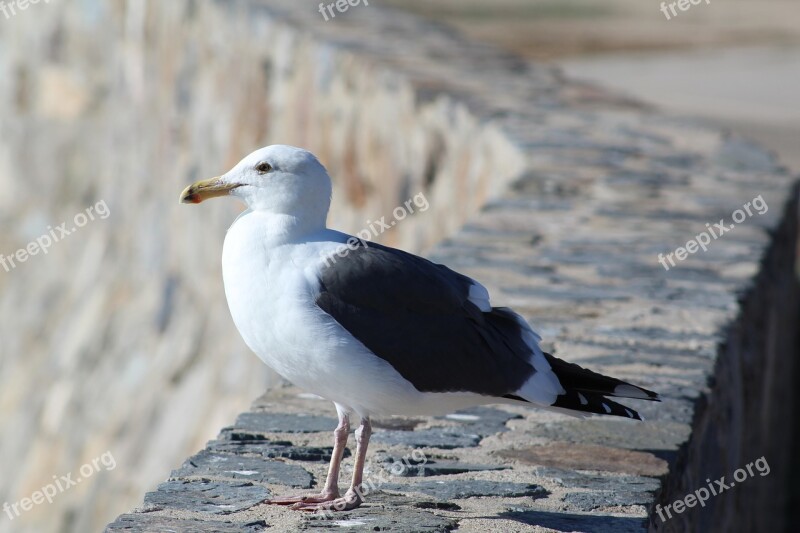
(346, 503)
(301, 499)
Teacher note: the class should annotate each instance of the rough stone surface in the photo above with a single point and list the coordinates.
(150, 523)
(465, 488)
(427, 438)
(558, 196)
(407, 467)
(260, 423)
(231, 466)
(590, 501)
(482, 421)
(387, 513)
(589, 457)
(468, 428)
(591, 481)
(274, 449)
(204, 496)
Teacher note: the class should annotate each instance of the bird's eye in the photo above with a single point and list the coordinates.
(263, 167)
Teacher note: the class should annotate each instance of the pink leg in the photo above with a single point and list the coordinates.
(353, 498)
(330, 491)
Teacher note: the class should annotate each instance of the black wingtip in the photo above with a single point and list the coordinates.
(626, 390)
(587, 402)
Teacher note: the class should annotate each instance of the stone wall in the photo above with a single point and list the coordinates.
(750, 408)
(557, 195)
(119, 338)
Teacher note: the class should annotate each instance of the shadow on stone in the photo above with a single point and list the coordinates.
(575, 522)
(466, 488)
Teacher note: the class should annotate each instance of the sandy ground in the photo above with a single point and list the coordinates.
(735, 64)
(752, 91)
(546, 29)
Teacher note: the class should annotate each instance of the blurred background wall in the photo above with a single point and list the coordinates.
(107, 343)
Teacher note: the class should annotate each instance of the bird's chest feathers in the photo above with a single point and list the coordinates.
(269, 297)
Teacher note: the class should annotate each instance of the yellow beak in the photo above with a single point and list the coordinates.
(205, 189)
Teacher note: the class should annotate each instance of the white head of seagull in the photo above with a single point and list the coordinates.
(279, 179)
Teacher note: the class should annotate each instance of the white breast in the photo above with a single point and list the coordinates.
(271, 286)
(266, 296)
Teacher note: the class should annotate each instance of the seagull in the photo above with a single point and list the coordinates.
(375, 330)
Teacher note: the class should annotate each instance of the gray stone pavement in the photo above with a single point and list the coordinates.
(423, 475)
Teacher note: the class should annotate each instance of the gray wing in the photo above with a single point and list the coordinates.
(417, 316)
